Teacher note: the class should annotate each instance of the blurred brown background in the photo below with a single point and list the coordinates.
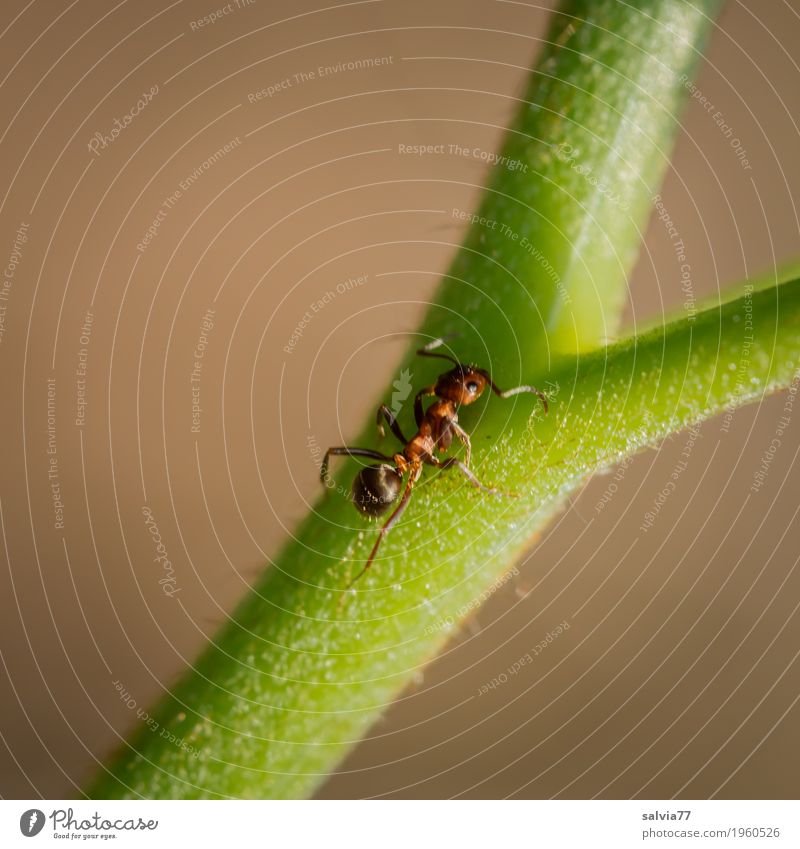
(679, 672)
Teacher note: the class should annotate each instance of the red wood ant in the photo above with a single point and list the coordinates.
(377, 487)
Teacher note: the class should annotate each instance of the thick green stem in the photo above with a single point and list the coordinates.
(545, 266)
(295, 679)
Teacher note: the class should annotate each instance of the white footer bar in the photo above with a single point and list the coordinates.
(402, 824)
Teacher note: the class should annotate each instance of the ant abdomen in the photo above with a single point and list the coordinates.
(375, 488)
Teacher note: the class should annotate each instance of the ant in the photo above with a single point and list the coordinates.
(377, 487)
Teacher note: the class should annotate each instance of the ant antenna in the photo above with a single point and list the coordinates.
(517, 390)
(427, 350)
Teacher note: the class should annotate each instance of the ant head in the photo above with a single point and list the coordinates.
(375, 488)
(462, 385)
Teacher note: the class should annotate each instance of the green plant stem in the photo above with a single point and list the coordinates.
(294, 680)
(545, 266)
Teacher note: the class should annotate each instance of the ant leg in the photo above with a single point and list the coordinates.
(350, 452)
(396, 514)
(464, 437)
(427, 351)
(419, 412)
(454, 462)
(385, 413)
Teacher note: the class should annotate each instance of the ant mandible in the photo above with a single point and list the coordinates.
(377, 487)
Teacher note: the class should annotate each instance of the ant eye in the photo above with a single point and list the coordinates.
(472, 387)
